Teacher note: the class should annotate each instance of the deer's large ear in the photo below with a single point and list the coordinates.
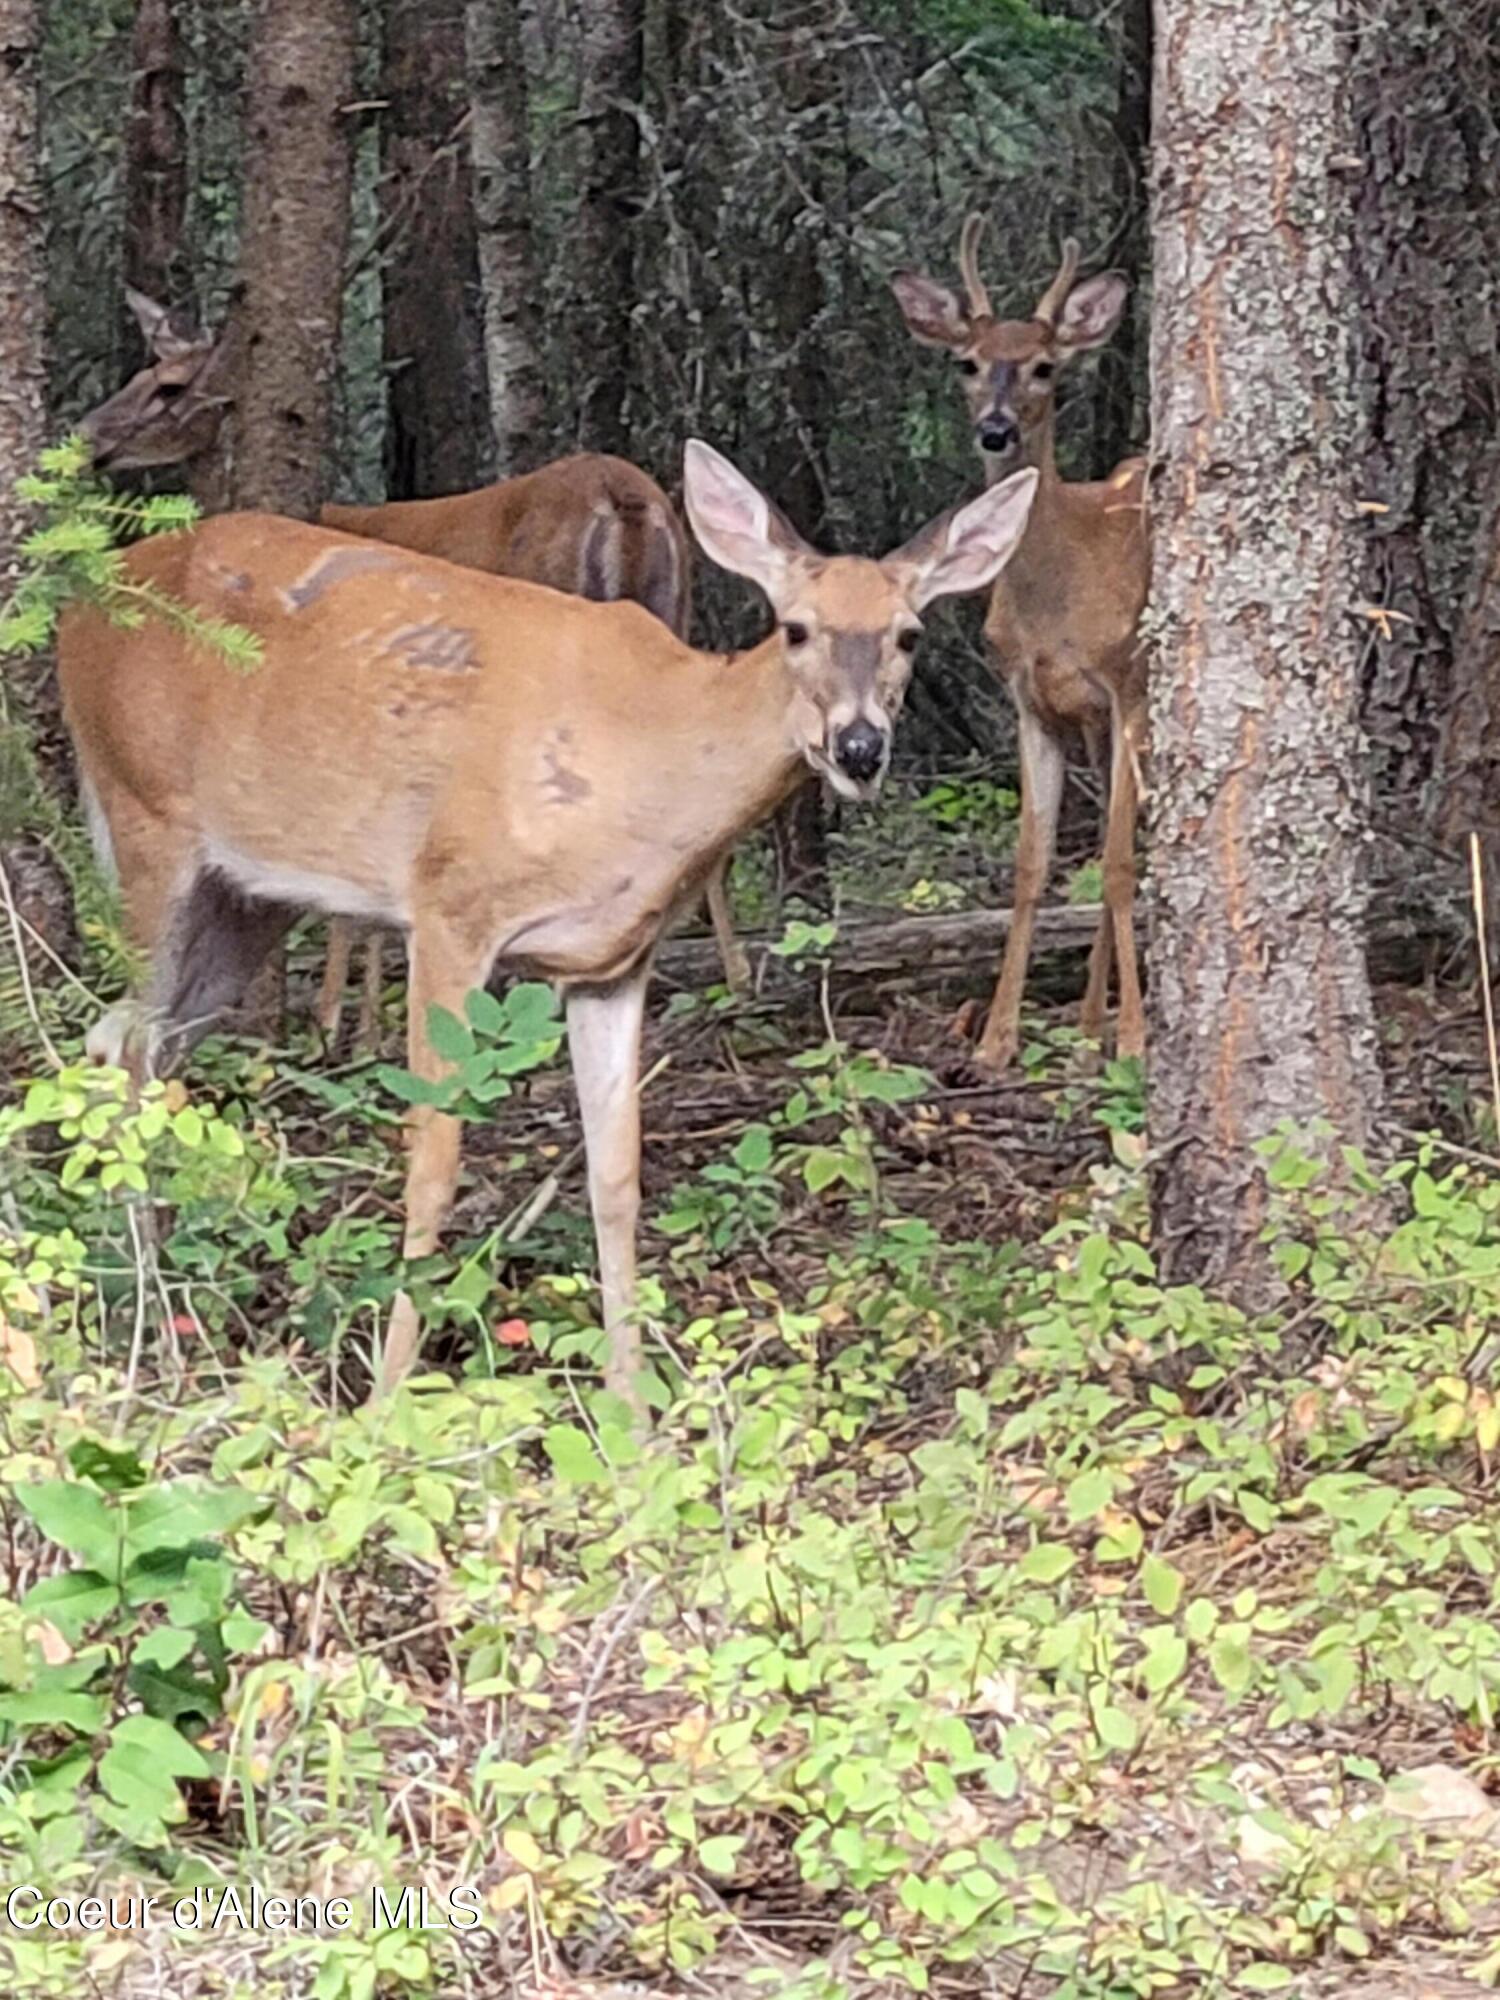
(736, 525)
(932, 313)
(966, 548)
(1091, 312)
(168, 334)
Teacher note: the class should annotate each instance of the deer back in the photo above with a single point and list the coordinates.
(591, 525)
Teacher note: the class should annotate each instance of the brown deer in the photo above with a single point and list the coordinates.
(516, 777)
(1063, 619)
(591, 525)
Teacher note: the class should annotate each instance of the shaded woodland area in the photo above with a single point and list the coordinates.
(1060, 1560)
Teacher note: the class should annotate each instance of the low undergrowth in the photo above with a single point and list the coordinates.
(979, 1619)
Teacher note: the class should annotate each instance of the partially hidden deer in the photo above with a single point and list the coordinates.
(1063, 622)
(591, 524)
(516, 778)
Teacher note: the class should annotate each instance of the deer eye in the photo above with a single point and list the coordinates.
(967, 366)
(170, 391)
(1043, 372)
(795, 634)
(908, 639)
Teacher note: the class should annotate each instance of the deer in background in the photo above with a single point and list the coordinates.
(591, 525)
(514, 776)
(1064, 617)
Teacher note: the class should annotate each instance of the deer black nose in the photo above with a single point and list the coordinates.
(860, 750)
(998, 434)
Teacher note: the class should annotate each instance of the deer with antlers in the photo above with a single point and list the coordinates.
(1063, 619)
(516, 777)
(591, 525)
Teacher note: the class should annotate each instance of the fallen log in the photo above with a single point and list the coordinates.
(962, 947)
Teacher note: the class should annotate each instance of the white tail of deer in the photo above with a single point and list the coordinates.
(515, 777)
(592, 525)
(1064, 620)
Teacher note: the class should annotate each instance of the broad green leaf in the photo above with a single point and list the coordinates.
(1162, 1585)
(573, 1457)
(720, 1854)
(78, 1519)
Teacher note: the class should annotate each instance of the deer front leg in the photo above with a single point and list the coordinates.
(1119, 889)
(1041, 795)
(731, 952)
(604, 1040)
(443, 969)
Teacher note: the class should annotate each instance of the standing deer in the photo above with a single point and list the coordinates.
(513, 776)
(591, 525)
(1063, 619)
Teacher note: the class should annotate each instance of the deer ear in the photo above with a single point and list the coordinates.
(966, 548)
(932, 313)
(151, 318)
(736, 525)
(1091, 312)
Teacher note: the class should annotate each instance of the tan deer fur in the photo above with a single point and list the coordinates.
(1063, 623)
(516, 777)
(592, 525)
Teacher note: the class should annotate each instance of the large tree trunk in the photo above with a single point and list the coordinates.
(1260, 995)
(436, 434)
(294, 239)
(501, 150)
(23, 272)
(156, 165)
(602, 252)
(1427, 225)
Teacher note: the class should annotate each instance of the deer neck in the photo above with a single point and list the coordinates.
(757, 759)
(1044, 520)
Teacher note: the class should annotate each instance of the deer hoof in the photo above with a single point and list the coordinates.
(965, 1021)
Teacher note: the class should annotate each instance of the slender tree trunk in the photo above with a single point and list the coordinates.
(436, 434)
(1122, 365)
(23, 272)
(1427, 223)
(294, 240)
(1470, 800)
(798, 463)
(603, 249)
(1260, 995)
(501, 151)
(156, 165)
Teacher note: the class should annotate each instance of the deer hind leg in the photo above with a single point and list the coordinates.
(372, 992)
(731, 952)
(1041, 796)
(445, 966)
(1119, 888)
(604, 1041)
(1101, 954)
(335, 975)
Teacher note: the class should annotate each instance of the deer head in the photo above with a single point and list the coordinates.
(172, 409)
(847, 626)
(1009, 366)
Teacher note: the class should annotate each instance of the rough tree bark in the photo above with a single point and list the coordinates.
(798, 465)
(23, 271)
(293, 242)
(602, 252)
(1122, 365)
(1426, 93)
(1470, 762)
(1260, 995)
(437, 431)
(156, 164)
(501, 153)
